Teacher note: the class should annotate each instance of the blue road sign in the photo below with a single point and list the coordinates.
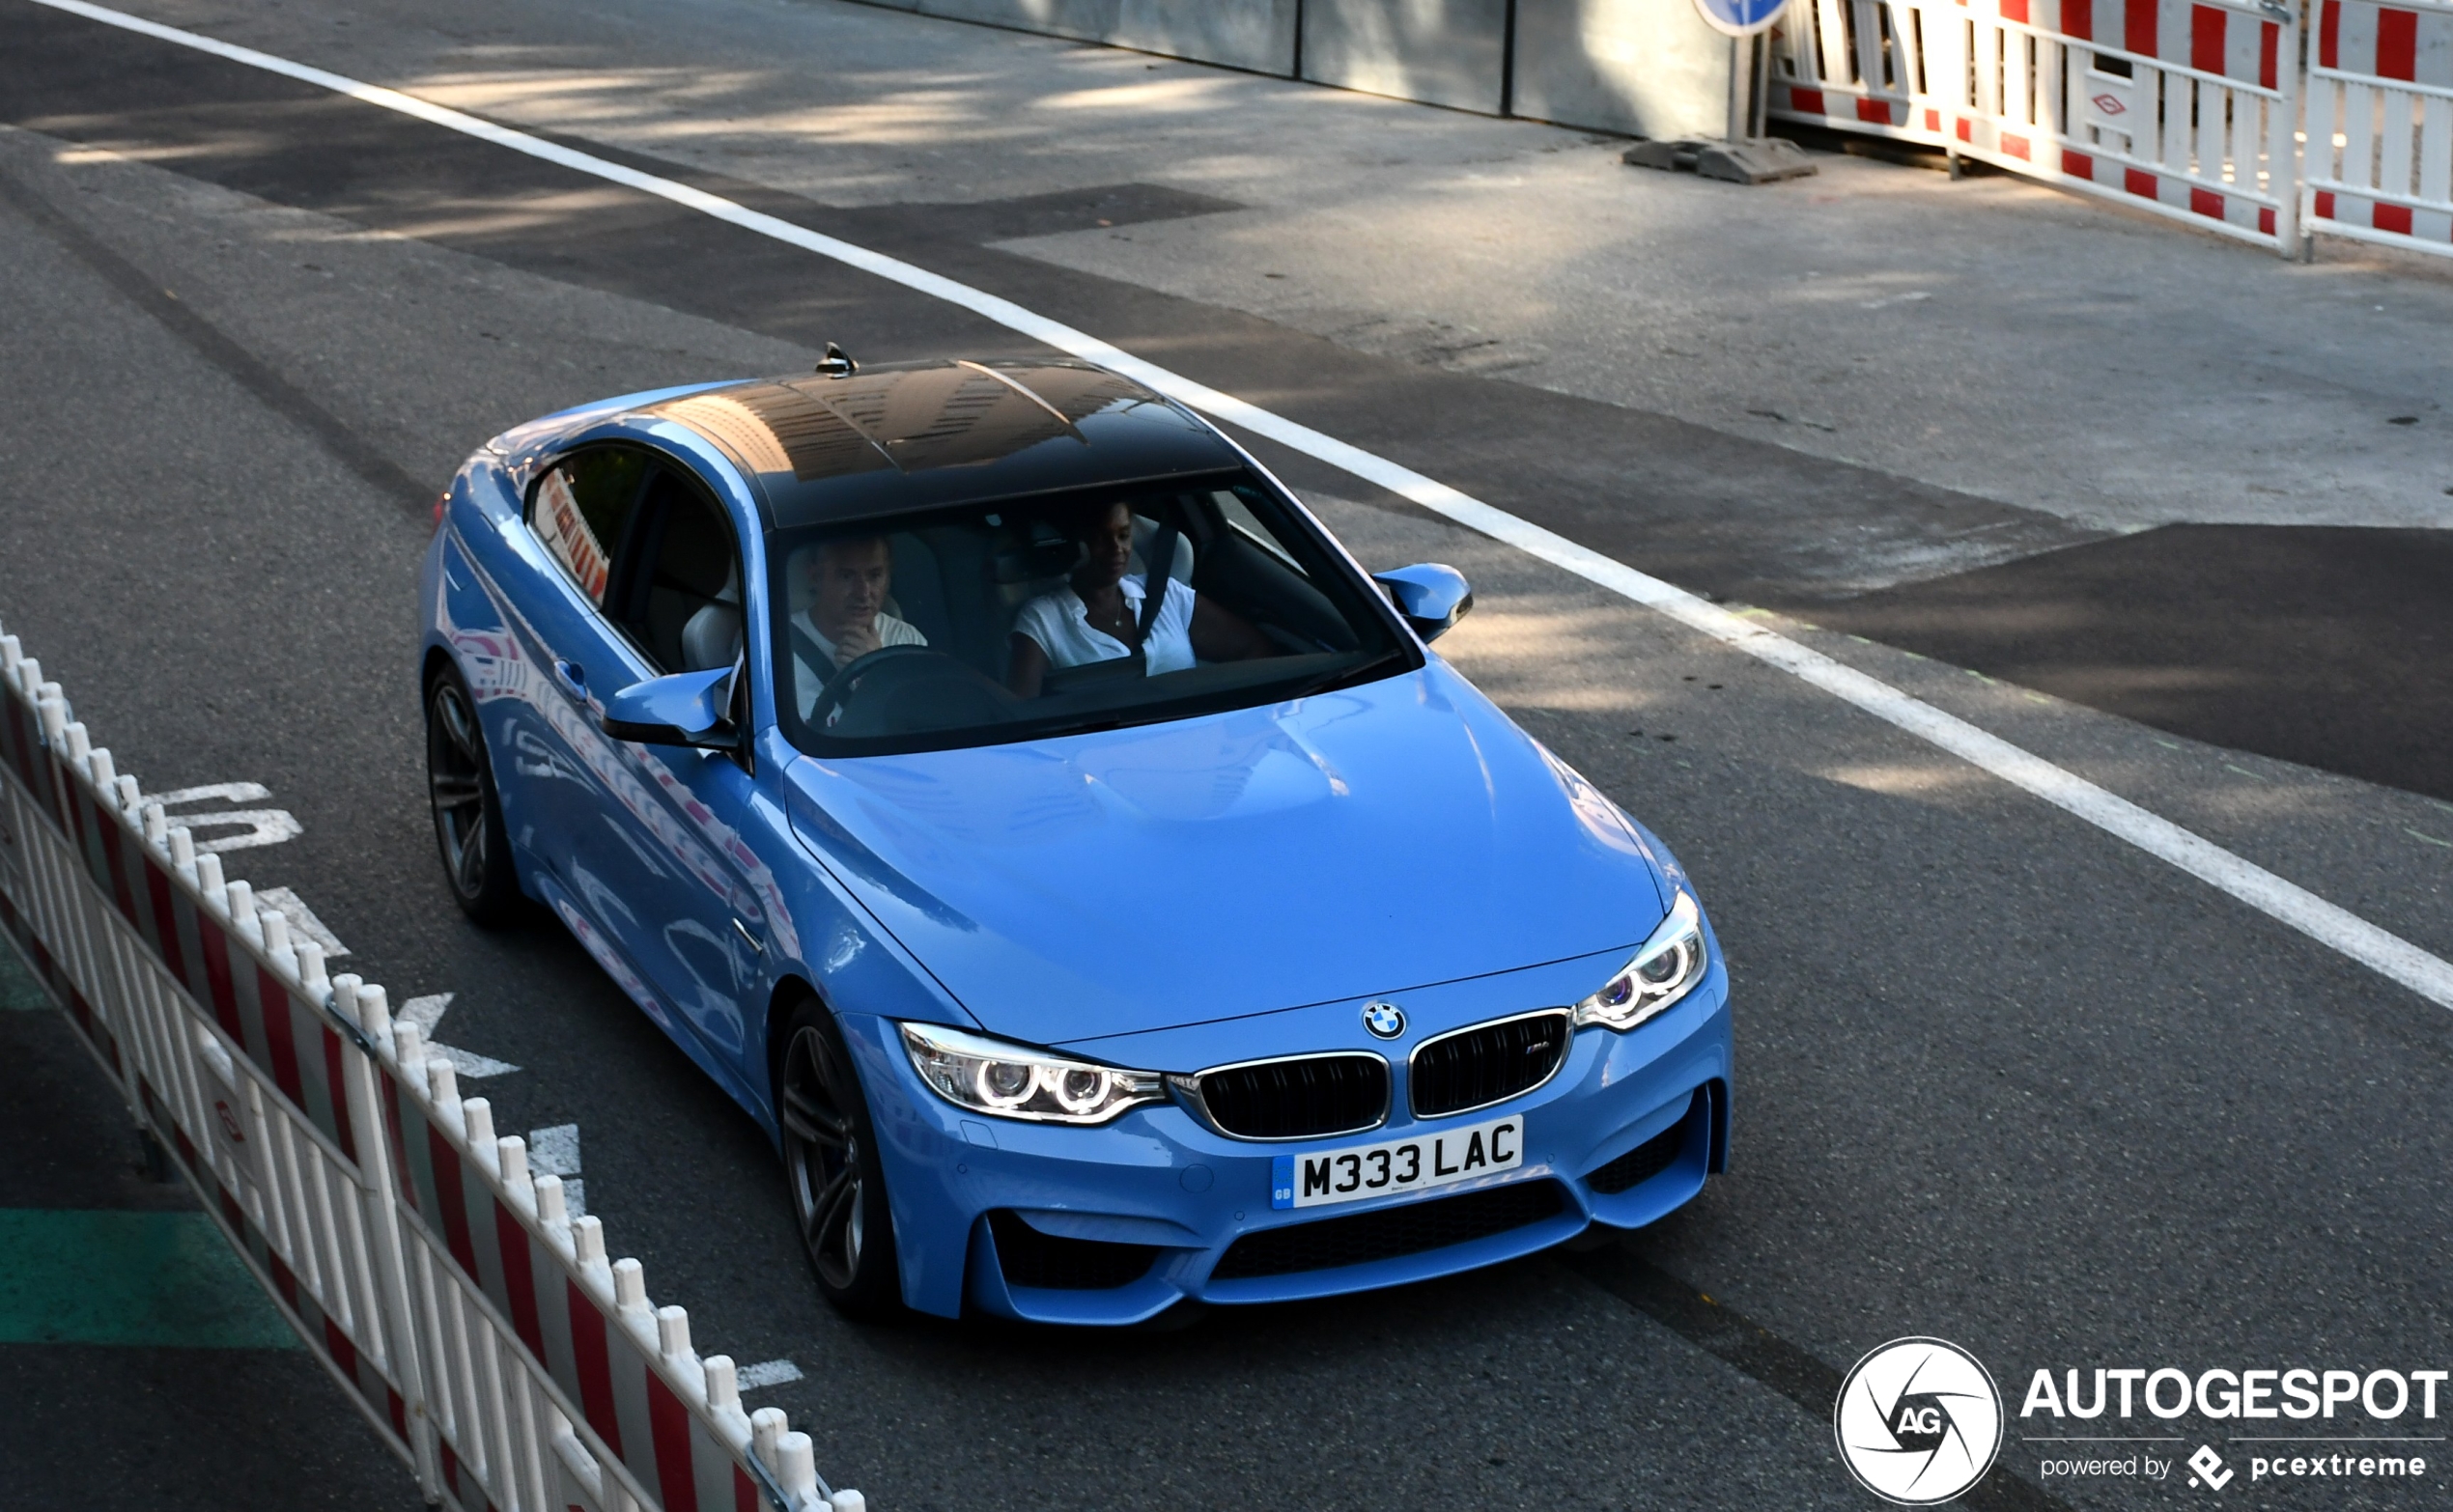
(1739, 18)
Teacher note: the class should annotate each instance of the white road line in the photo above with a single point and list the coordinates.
(767, 1373)
(426, 1013)
(263, 826)
(302, 920)
(231, 792)
(554, 1151)
(2388, 954)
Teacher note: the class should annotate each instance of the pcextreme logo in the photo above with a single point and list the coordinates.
(1918, 1421)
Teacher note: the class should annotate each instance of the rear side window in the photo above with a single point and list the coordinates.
(682, 604)
(580, 509)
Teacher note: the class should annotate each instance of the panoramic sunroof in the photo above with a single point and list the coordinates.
(916, 419)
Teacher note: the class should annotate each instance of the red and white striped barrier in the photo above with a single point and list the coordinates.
(479, 1328)
(662, 1427)
(249, 1095)
(2380, 151)
(1846, 65)
(2182, 107)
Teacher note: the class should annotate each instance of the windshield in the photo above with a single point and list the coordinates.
(1011, 621)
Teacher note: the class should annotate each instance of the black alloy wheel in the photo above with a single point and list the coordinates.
(468, 826)
(830, 1159)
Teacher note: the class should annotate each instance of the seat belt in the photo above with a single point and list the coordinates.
(1154, 581)
(805, 646)
(806, 649)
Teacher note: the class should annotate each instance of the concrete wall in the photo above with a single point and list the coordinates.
(1648, 68)
(1242, 34)
(1445, 52)
(1245, 34)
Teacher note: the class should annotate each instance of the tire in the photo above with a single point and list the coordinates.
(468, 827)
(832, 1169)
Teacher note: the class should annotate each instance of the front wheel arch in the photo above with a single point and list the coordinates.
(437, 659)
(471, 832)
(790, 993)
(827, 1137)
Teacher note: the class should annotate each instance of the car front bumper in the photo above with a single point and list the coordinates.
(1626, 1130)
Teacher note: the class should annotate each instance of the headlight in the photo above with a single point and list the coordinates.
(1665, 969)
(1011, 1081)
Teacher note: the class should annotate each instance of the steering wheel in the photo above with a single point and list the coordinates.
(859, 666)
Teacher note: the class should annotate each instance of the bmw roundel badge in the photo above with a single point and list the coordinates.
(1384, 1019)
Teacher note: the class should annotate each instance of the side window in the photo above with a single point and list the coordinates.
(683, 599)
(580, 509)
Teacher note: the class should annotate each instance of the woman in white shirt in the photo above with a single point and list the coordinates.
(1097, 615)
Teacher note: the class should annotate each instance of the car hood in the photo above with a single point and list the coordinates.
(1366, 841)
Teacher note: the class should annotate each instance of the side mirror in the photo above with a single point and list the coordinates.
(683, 709)
(1431, 596)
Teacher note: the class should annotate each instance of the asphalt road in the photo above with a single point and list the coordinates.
(2003, 1079)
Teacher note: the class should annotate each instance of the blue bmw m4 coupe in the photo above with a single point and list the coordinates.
(1077, 864)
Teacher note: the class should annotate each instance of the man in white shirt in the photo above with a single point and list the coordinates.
(847, 582)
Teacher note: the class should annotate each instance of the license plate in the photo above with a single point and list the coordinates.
(1412, 1164)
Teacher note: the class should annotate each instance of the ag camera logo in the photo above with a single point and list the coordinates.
(1918, 1421)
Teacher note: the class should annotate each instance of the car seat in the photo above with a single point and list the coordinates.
(711, 637)
(1138, 569)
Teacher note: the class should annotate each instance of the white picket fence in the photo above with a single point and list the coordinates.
(479, 1328)
(2199, 110)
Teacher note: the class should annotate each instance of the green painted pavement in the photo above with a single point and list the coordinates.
(111, 1277)
(97, 1275)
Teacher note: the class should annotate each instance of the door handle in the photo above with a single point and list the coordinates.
(756, 946)
(573, 678)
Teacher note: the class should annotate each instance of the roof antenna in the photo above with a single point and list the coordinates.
(837, 363)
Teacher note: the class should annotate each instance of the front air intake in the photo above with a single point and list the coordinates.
(1300, 1098)
(1642, 1163)
(1488, 1063)
(1389, 1233)
(1029, 1258)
